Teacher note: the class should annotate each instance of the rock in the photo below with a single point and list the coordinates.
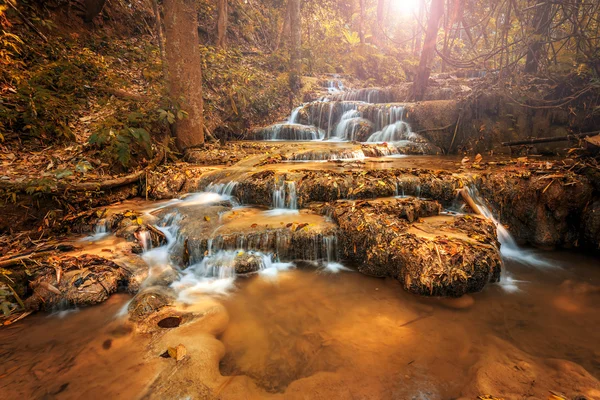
(290, 236)
(428, 254)
(149, 301)
(135, 272)
(247, 262)
(85, 280)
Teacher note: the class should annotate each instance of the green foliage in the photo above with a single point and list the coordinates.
(120, 139)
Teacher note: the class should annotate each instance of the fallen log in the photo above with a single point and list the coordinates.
(549, 139)
(92, 186)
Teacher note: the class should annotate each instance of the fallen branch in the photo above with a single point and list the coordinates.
(27, 21)
(93, 186)
(548, 139)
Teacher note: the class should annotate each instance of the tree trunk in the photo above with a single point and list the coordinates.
(422, 77)
(361, 17)
(92, 8)
(295, 39)
(184, 67)
(379, 28)
(222, 24)
(285, 27)
(418, 33)
(159, 36)
(541, 20)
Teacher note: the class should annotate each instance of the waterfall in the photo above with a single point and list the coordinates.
(294, 116)
(348, 125)
(101, 230)
(225, 189)
(332, 264)
(509, 248)
(284, 195)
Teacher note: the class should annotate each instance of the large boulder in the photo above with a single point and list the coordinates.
(406, 239)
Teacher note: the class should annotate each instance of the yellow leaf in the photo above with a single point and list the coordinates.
(139, 221)
(206, 218)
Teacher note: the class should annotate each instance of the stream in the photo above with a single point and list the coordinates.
(345, 334)
(272, 299)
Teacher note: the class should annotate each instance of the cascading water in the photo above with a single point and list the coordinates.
(101, 230)
(284, 196)
(332, 264)
(509, 248)
(295, 115)
(349, 125)
(225, 189)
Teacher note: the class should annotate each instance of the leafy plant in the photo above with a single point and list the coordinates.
(119, 140)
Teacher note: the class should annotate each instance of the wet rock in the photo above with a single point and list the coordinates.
(247, 262)
(591, 225)
(149, 301)
(168, 182)
(135, 271)
(290, 236)
(428, 254)
(541, 210)
(170, 322)
(74, 281)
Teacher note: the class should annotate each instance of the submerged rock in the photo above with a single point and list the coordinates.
(405, 239)
(74, 281)
(149, 301)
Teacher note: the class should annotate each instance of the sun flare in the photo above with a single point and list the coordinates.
(404, 8)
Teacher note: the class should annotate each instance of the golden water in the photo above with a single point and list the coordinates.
(305, 334)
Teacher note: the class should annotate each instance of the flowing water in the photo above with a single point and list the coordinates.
(306, 324)
(305, 333)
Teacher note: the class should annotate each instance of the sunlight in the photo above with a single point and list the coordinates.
(406, 8)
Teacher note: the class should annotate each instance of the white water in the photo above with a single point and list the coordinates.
(285, 199)
(293, 119)
(396, 132)
(100, 232)
(509, 248)
(215, 273)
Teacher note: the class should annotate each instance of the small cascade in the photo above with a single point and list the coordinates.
(331, 248)
(225, 189)
(145, 240)
(393, 133)
(284, 195)
(329, 155)
(335, 85)
(509, 249)
(101, 230)
(367, 95)
(350, 125)
(289, 131)
(295, 115)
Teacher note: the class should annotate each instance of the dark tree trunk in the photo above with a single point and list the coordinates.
(541, 22)
(184, 69)
(422, 77)
(222, 24)
(295, 41)
(92, 8)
